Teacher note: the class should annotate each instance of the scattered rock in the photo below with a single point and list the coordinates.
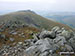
(2, 36)
(20, 43)
(55, 29)
(45, 43)
(12, 39)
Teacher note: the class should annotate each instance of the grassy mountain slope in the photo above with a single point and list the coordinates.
(32, 19)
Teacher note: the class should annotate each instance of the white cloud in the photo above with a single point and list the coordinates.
(21, 0)
(55, 5)
(40, 1)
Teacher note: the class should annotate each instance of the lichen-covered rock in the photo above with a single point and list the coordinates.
(72, 42)
(47, 34)
(60, 40)
(55, 29)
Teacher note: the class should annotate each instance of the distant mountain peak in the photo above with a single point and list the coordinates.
(27, 11)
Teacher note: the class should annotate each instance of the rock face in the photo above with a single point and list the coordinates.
(45, 43)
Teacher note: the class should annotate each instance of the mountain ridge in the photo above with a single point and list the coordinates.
(31, 18)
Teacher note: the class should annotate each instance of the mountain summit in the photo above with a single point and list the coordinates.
(30, 18)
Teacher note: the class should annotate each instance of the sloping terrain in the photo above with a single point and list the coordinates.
(18, 26)
(67, 18)
(21, 31)
(16, 35)
(32, 19)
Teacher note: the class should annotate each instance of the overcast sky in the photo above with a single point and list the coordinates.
(51, 5)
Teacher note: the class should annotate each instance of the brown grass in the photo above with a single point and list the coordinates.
(25, 30)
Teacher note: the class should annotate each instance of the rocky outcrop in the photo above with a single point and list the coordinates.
(45, 43)
(51, 42)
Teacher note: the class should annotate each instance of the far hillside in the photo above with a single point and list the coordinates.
(67, 18)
